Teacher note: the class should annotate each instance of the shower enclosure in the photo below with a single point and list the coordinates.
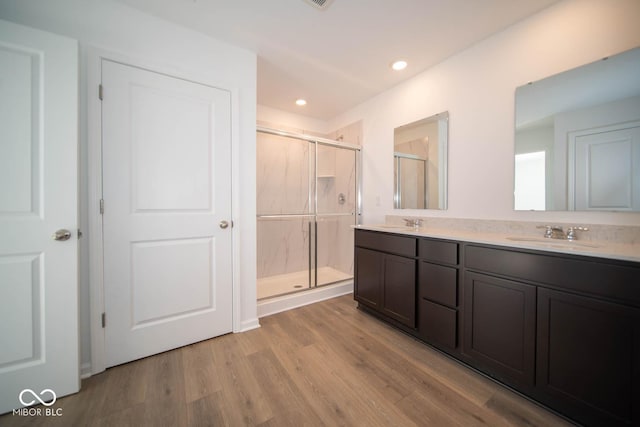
(410, 181)
(307, 201)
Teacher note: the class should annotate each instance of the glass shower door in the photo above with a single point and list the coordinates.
(285, 207)
(307, 201)
(336, 206)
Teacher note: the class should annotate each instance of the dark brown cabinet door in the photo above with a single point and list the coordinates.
(369, 277)
(399, 289)
(386, 283)
(499, 328)
(588, 358)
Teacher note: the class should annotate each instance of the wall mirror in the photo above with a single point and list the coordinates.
(577, 138)
(420, 163)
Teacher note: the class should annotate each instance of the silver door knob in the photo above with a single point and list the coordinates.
(61, 235)
(224, 224)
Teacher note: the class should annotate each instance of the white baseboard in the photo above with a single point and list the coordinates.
(288, 302)
(248, 325)
(85, 371)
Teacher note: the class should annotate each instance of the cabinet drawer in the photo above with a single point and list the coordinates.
(391, 243)
(438, 251)
(438, 284)
(437, 324)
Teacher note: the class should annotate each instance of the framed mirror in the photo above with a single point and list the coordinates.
(420, 163)
(577, 138)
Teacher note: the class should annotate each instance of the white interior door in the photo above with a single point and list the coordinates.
(167, 195)
(607, 168)
(38, 195)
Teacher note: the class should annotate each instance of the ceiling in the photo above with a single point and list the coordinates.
(338, 57)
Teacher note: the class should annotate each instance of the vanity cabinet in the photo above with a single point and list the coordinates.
(563, 329)
(385, 275)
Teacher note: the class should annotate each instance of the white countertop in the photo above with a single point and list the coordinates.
(601, 249)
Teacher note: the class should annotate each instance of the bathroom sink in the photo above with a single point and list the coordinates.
(557, 243)
(397, 227)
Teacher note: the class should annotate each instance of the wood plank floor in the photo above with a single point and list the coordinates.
(326, 364)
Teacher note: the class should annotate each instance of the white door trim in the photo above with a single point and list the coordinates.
(94, 57)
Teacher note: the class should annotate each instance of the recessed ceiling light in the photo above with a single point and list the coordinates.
(399, 65)
(301, 102)
(320, 4)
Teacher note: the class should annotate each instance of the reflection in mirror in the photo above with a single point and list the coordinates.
(420, 163)
(577, 138)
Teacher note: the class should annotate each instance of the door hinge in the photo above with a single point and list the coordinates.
(104, 319)
(101, 206)
(100, 93)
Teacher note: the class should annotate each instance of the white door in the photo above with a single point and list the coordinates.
(38, 195)
(607, 168)
(167, 196)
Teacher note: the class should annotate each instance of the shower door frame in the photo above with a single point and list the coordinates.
(397, 158)
(357, 149)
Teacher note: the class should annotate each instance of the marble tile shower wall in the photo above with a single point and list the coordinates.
(283, 246)
(336, 176)
(282, 181)
(283, 187)
(335, 244)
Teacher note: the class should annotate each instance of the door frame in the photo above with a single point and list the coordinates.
(94, 57)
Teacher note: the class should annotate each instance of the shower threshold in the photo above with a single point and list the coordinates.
(297, 281)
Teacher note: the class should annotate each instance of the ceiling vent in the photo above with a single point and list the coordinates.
(319, 4)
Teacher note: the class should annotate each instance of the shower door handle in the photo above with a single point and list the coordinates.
(224, 224)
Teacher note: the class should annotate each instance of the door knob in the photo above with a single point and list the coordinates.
(61, 235)
(224, 224)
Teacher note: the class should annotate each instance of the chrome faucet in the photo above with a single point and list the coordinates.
(571, 232)
(553, 231)
(413, 222)
(556, 232)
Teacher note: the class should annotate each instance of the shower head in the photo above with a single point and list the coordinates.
(319, 4)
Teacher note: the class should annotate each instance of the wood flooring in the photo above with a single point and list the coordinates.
(326, 364)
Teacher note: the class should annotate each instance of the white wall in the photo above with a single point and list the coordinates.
(477, 87)
(126, 31)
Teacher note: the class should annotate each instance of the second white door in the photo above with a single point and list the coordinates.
(607, 168)
(38, 198)
(167, 212)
